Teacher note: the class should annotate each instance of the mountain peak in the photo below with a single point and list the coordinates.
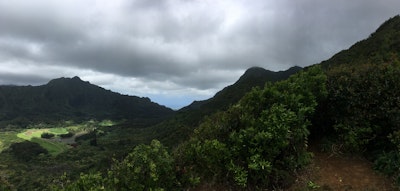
(72, 98)
(254, 73)
(63, 81)
(76, 78)
(253, 77)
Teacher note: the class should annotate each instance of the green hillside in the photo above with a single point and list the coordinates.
(348, 104)
(261, 133)
(73, 99)
(171, 132)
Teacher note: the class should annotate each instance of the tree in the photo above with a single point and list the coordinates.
(26, 150)
(147, 167)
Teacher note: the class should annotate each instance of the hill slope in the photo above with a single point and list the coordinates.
(178, 128)
(253, 77)
(73, 99)
(382, 46)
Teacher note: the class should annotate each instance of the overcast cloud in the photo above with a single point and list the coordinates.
(175, 51)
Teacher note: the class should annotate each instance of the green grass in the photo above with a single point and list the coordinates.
(106, 123)
(54, 148)
(76, 128)
(58, 131)
(34, 135)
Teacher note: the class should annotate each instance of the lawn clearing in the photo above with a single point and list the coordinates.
(31, 133)
(58, 131)
(53, 147)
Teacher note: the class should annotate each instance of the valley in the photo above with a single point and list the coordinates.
(329, 126)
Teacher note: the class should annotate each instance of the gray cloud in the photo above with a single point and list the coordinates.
(164, 49)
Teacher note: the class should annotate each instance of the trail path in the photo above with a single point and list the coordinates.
(348, 173)
(342, 173)
(333, 173)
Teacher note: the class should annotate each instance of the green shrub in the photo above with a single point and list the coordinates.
(363, 104)
(5, 185)
(67, 135)
(47, 135)
(260, 141)
(26, 150)
(147, 167)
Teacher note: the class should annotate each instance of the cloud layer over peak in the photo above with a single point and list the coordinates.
(175, 51)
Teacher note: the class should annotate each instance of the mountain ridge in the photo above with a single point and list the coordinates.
(252, 77)
(179, 127)
(71, 98)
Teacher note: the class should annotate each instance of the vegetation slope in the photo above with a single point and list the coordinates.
(177, 129)
(349, 102)
(73, 99)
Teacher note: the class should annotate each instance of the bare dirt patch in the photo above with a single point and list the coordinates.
(349, 173)
(341, 173)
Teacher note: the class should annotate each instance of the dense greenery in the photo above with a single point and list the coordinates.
(73, 99)
(261, 140)
(177, 129)
(47, 135)
(147, 167)
(241, 139)
(362, 112)
(364, 104)
(26, 150)
(248, 146)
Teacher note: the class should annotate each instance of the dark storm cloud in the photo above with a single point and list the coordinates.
(176, 46)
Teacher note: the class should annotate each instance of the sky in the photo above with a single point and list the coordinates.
(175, 51)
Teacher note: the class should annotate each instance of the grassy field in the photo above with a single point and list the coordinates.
(58, 131)
(53, 147)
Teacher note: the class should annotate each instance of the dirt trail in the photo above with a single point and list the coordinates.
(334, 173)
(348, 173)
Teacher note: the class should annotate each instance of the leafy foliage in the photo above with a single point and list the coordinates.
(252, 142)
(67, 135)
(364, 104)
(73, 99)
(262, 139)
(5, 185)
(147, 167)
(47, 135)
(178, 129)
(26, 150)
(363, 107)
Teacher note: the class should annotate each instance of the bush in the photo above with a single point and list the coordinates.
(364, 106)
(260, 141)
(5, 185)
(47, 135)
(67, 135)
(147, 167)
(26, 150)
